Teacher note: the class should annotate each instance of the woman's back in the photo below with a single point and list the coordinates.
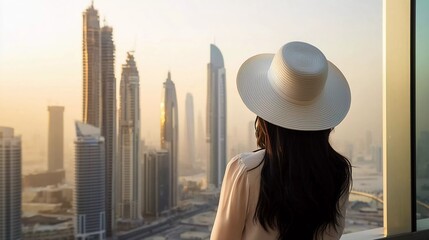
(239, 198)
(302, 176)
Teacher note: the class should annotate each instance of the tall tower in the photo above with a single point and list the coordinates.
(91, 49)
(10, 184)
(129, 142)
(108, 126)
(190, 132)
(56, 138)
(216, 117)
(89, 191)
(170, 133)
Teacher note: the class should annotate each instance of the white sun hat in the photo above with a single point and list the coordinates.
(296, 88)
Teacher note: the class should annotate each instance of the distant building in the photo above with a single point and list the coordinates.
(10, 184)
(129, 143)
(91, 54)
(349, 152)
(47, 228)
(89, 193)
(251, 138)
(377, 158)
(56, 138)
(44, 179)
(49, 195)
(143, 148)
(170, 134)
(201, 141)
(189, 160)
(108, 126)
(156, 184)
(422, 155)
(368, 143)
(216, 117)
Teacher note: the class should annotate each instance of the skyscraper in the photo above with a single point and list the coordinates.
(10, 184)
(156, 186)
(91, 49)
(216, 117)
(170, 133)
(56, 138)
(89, 192)
(108, 126)
(129, 142)
(189, 161)
(99, 96)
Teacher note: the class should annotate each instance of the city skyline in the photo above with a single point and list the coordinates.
(95, 139)
(158, 48)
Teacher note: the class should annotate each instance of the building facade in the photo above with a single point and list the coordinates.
(156, 186)
(89, 193)
(201, 143)
(129, 143)
(91, 51)
(216, 117)
(99, 97)
(10, 184)
(170, 134)
(56, 138)
(189, 160)
(43, 179)
(108, 126)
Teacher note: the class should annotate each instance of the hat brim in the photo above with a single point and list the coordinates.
(326, 112)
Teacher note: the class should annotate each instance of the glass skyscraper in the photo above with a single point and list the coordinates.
(216, 117)
(10, 184)
(91, 57)
(89, 192)
(156, 186)
(99, 95)
(108, 126)
(170, 134)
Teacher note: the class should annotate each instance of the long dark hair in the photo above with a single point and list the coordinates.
(302, 180)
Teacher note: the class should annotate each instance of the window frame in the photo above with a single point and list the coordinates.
(397, 170)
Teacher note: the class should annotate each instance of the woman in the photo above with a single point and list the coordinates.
(297, 186)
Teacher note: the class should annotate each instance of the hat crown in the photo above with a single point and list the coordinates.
(298, 72)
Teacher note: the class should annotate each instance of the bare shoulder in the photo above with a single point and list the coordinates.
(248, 160)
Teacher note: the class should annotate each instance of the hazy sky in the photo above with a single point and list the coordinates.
(41, 56)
